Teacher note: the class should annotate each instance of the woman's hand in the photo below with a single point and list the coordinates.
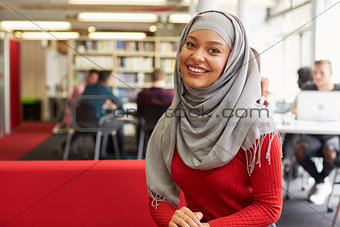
(184, 217)
(205, 224)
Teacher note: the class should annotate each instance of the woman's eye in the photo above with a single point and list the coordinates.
(190, 44)
(215, 51)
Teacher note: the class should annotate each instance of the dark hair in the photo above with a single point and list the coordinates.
(305, 75)
(104, 75)
(158, 75)
(93, 71)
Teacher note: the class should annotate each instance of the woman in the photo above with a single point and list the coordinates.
(210, 145)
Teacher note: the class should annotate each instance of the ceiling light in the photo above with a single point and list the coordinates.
(264, 3)
(153, 28)
(118, 2)
(35, 25)
(91, 29)
(118, 17)
(179, 18)
(117, 35)
(50, 35)
(18, 35)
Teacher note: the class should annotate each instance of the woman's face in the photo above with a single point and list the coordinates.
(203, 58)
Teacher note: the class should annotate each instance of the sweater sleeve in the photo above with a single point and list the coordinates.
(266, 182)
(162, 215)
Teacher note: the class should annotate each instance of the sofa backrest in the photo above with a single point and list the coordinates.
(74, 193)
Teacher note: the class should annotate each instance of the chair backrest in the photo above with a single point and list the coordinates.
(84, 116)
(336, 162)
(151, 114)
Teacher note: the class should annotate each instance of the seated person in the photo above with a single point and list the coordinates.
(326, 146)
(102, 89)
(91, 78)
(157, 94)
(305, 77)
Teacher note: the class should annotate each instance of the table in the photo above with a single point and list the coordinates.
(309, 127)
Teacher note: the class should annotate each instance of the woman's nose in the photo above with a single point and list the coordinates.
(198, 56)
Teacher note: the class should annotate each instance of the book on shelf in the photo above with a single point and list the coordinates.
(105, 62)
(168, 64)
(127, 77)
(135, 63)
(134, 46)
(170, 80)
(79, 76)
(168, 47)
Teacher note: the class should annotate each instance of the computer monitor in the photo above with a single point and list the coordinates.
(318, 106)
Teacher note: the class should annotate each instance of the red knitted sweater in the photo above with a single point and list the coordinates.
(228, 196)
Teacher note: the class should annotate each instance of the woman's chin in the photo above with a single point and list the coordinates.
(196, 83)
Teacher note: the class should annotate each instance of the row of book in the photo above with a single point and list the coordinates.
(135, 46)
(127, 77)
(135, 63)
(105, 62)
(168, 47)
(168, 64)
(95, 45)
(79, 76)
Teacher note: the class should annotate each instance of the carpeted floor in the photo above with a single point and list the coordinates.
(24, 139)
(52, 149)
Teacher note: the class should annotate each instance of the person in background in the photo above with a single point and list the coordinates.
(91, 78)
(265, 93)
(264, 81)
(305, 77)
(326, 146)
(157, 94)
(101, 88)
(227, 168)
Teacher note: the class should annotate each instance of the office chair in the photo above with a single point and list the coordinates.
(84, 118)
(148, 120)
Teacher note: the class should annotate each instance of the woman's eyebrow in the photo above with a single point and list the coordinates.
(209, 42)
(216, 43)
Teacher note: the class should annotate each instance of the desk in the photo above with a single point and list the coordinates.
(309, 127)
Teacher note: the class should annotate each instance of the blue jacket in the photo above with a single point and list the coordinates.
(100, 90)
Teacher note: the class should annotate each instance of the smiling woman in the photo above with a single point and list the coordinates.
(227, 167)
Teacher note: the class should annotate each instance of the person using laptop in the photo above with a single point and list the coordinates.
(325, 146)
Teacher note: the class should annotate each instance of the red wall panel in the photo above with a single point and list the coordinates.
(15, 106)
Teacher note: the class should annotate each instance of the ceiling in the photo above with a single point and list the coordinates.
(60, 10)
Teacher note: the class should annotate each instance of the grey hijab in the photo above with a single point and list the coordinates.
(209, 125)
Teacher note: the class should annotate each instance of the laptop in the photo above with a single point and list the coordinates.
(318, 105)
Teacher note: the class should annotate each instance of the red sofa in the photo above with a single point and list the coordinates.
(74, 193)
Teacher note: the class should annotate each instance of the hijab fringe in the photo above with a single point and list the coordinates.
(255, 150)
(156, 198)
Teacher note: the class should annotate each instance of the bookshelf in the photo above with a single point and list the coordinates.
(131, 62)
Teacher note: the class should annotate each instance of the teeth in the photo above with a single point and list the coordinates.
(196, 70)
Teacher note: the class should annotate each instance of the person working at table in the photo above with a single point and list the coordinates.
(101, 88)
(325, 146)
(305, 78)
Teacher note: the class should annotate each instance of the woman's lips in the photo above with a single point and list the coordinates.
(194, 70)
